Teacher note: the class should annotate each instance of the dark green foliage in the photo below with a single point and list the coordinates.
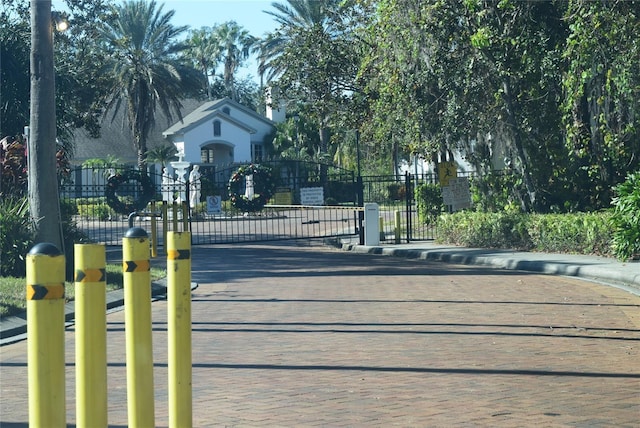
(429, 200)
(12, 296)
(581, 233)
(16, 237)
(626, 218)
(485, 230)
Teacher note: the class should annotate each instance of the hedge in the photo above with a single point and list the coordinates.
(579, 233)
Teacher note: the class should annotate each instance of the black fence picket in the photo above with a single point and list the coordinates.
(83, 196)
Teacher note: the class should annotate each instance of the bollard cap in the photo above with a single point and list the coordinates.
(45, 249)
(136, 232)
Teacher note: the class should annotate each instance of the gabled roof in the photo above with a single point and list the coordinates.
(212, 109)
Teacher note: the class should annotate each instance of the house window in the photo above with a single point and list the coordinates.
(216, 128)
(257, 152)
(206, 156)
(226, 110)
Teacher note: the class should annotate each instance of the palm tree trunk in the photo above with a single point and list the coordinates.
(44, 203)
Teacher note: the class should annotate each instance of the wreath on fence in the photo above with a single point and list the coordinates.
(263, 188)
(146, 192)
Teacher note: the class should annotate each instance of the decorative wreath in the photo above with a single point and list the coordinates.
(146, 193)
(263, 188)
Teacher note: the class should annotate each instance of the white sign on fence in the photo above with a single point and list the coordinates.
(214, 204)
(457, 194)
(311, 195)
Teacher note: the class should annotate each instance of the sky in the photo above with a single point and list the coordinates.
(207, 13)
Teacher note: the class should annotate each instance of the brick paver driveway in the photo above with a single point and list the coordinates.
(310, 336)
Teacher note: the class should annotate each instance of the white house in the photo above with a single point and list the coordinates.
(221, 132)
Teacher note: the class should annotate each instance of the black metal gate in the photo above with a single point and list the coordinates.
(285, 217)
(396, 198)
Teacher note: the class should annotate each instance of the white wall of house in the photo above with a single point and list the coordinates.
(238, 131)
(238, 140)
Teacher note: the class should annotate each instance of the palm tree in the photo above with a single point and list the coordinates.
(44, 203)
(162, 154)
(146, 70)
(235, 45)
(203, 51)
(293, 17)
(297, 54)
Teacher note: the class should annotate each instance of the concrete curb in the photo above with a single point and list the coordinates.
(609, 273)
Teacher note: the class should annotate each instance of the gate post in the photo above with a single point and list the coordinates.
(360, 186)
(408, 191)
(371, 224)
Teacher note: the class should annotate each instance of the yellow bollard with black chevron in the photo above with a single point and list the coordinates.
(137, 306)
(45, 336)
(179, 328)
(91, 335)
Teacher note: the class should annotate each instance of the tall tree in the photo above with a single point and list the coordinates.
(44, 204)
(203, 51)
(227, 45)
(235, 45)
(146, 70)
(467, 74)
(602, 103)
(312, 61)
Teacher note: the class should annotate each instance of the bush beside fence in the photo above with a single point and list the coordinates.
(579, 233)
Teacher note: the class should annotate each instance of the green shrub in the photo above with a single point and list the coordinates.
(583, 233)
(16, 237)
(100, 211)
(493, 192)
(429, 201)
(487, 230)
(626, 218)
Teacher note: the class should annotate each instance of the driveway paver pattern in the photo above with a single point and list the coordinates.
(312, 336)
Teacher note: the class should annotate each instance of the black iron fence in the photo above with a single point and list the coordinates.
(215, 220)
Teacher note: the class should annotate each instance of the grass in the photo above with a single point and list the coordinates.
(13, 290)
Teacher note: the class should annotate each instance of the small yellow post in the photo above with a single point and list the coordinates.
(91, 335)
(154, 231)
(174, 210)
(397, 226)
(45, 336)
(179, 328)
(165, 224)
(137, 307)
(185, 217)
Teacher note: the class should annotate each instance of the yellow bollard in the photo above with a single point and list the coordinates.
(45, 336)
(91, 335)
(154, 231)
(179, 328)
(165, 224)
(397, 226)
(137, 307)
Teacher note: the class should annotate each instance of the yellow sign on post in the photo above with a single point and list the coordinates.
(45, 336)
(446, 171)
